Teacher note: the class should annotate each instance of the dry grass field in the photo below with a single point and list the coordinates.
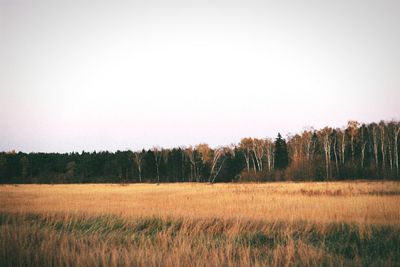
(272, 224)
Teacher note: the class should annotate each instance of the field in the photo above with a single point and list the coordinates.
(336, 223)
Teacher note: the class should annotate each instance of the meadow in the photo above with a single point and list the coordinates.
(267, 224)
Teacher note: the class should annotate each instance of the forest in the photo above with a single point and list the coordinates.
(357, 151)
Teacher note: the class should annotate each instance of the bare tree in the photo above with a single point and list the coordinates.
(375, 144)
(382, 130)
(307, 136)
(326, 133)
(193, 155)
(352, 127)
(389, 146)
(218, 159)
(363, 144)
(138, 159)
(157, 158)
(342, 146)
(335, 151)
(258, 150)
(395, 143)
(246, 146)
(269, 152)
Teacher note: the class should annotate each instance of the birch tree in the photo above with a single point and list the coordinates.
(352, 127)
(307, 137)
(246, 146)
(375, 144)
(342, 144)
(258, 150)
(138, 159)
(382, 131)
(335, 148)
(364, 132)
(218, 160)
(269, 153)
(325, 134)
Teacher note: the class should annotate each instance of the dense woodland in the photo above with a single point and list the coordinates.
(368, 151)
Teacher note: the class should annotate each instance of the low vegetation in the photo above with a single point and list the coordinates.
(340, 223)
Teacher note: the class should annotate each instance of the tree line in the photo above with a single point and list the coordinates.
(368, 151)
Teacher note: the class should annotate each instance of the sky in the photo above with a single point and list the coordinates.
(116, 75)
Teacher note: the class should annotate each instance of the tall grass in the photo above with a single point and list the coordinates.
(353, 224)
(37, 240)
(360, 202)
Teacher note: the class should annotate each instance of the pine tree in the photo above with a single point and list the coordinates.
(281, 153)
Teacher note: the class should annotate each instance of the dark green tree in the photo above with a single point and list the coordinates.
(281, 153)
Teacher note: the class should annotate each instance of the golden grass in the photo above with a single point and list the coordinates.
(275, 224)
(359, 202)
(71, 240)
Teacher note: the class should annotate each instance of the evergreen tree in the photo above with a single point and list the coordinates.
(281, 153)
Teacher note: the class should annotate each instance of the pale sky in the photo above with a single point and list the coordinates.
(107, 75)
